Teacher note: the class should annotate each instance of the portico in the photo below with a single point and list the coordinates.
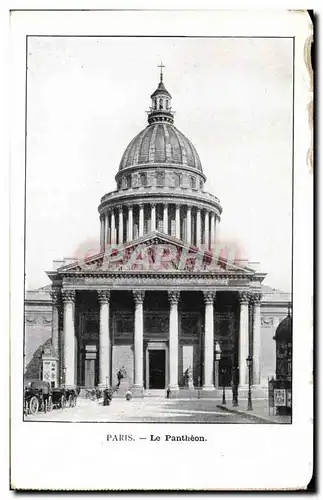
(109, 328)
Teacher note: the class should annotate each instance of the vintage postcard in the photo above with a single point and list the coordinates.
(161, 166)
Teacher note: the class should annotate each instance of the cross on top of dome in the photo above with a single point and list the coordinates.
(161, 110)
(161, 66)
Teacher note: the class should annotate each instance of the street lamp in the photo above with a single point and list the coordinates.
(64, 376)
(249, 364)
(217, 363)
(235, 378)
(224, 370)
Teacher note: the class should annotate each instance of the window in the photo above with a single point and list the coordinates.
(155, 103)
(160, 104)
(201, 185)
(143, 180)
(167, 104)
(128, 181)
(177, 180)
(192, 183)
(160, 179)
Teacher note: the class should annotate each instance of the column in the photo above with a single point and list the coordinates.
(69, 337)
(256, 300)
(165, 219)
(106, 232)
(55, 296)
(141, 220)
(209, 341)
(101, 232)
(189, 225)
(120, 231)
(198, 227)
(153, 216)
(243, 337)
(130, 223)
(113, 228)
(139, 340)
(212, 230)
(104, 337)
(206, 230)
(173, 340)
(177, 222)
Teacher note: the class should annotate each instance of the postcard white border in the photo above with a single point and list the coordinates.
(77, 456)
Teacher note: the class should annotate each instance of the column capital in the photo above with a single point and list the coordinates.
(104, 296)
(244, 297)
(173, 297)
(153, 205)
(119, 207)
(130, 206)
(141, 205)
(55, 295)
(68, 296)
(177, 205)
(209, 297)
(138, 296)
(255, 298)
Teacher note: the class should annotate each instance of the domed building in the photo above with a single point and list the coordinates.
(161, 301)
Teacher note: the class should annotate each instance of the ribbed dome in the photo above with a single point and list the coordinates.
(160, 143)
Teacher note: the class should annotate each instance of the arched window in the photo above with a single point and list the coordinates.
(192, 183)
(143, 180)
(167, 103)
(160, 104)
(177, 180)
(160, 179)
(201, 185)
(128, 181)
(155, 103)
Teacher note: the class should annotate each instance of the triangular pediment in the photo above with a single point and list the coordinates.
(158, 252)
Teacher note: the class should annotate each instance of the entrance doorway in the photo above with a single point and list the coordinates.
(157, 369)
(89, 373)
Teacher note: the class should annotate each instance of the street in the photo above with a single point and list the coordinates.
(144, 410)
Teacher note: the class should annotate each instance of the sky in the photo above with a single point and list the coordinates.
(87, 98)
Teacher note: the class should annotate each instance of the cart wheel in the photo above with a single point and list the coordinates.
(33, 405)
(63, 402)
(49, 404)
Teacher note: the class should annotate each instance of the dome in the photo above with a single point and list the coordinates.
(160, 143)
(284, 330)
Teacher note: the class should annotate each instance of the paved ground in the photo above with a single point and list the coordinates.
(145, 410)
(259, 410)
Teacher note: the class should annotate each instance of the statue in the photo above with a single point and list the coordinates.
(188, 377)
(121, 373)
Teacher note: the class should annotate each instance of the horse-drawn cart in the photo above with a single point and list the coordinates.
(64, 397)
(37, 396)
